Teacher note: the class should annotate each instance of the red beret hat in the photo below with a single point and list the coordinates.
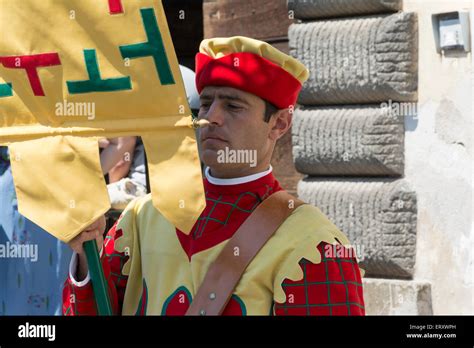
(250, 65)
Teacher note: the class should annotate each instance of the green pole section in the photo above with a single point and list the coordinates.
(99, 284)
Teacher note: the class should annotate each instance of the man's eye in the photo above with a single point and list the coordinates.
(234, 107)
(204, 106)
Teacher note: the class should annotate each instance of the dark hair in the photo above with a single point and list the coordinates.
(270, 109)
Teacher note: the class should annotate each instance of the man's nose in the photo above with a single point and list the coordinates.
(214, 114)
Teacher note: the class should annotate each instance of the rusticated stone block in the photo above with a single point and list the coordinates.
(359, 60)
(352, 140)
(397, 297)
(378, 215)
(314, 9)
(259, 19)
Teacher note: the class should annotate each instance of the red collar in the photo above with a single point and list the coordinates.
(227, 207)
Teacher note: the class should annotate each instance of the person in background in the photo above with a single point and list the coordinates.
(30, 284)
(189, 78)
(123, 159)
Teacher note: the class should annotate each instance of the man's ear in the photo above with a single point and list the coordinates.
(280, 123)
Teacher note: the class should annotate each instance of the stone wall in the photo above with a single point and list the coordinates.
(363, 58)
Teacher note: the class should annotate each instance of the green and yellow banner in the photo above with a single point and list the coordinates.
(73, 71)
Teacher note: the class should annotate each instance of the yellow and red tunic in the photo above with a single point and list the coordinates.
(153, 268)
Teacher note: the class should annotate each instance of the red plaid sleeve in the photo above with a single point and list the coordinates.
(331, 287)
(80, 300)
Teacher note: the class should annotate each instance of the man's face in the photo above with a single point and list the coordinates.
(236, 123)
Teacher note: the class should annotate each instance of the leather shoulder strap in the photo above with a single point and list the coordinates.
(225, 272)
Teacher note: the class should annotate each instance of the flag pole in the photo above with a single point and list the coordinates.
(99, 284)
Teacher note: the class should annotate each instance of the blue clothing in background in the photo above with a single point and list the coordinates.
(28, 286)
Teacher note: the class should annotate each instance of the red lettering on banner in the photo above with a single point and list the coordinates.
(115, 6)
(30, 63)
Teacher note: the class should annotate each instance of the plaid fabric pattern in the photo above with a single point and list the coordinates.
(331, 287)
(220, 208)
(227, 207)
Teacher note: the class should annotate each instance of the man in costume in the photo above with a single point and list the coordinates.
(248, 90)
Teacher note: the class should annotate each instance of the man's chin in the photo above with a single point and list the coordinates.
(209, 158)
